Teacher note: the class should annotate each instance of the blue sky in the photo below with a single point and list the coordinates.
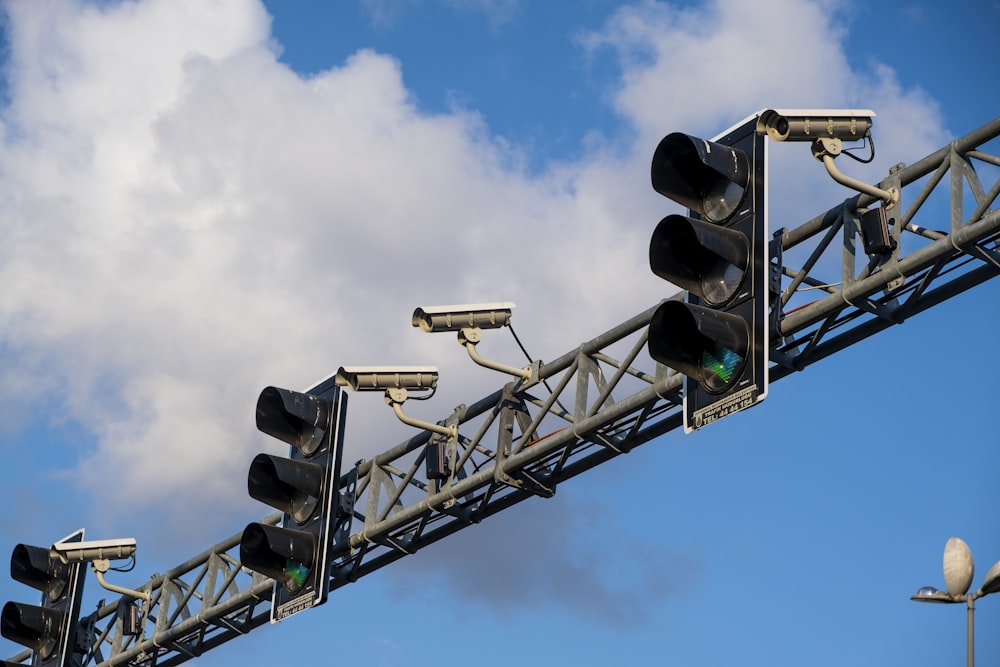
(204, 198)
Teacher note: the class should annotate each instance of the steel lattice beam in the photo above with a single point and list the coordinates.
(890, 289)
(523, 440)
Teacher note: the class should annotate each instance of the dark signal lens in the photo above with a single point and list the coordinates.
(721, 199)
(720, 282)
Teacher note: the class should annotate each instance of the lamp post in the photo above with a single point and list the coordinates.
(958, 570)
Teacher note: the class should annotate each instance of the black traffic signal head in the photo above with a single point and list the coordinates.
(48, 629)
(301, 420)
(304, 487)
(708, 178)
(718, 253)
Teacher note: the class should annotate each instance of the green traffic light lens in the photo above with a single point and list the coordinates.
(721, 366)
(297, 575)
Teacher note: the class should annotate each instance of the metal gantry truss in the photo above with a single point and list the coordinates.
(876, 292)
(586, 407)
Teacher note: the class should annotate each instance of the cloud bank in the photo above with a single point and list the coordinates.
(186, 220)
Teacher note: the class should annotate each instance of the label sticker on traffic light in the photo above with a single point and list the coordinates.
(303, 487)
(48, 629)
(718, 336)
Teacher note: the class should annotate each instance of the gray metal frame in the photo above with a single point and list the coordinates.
(582, 409)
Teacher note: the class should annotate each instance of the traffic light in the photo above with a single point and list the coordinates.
(718, 253)
(304, 487)
(49, 629)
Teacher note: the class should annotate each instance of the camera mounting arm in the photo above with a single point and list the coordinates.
(100, 566)
(825, 149)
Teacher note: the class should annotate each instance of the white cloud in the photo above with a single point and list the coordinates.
(196, 221)
(186, 220)
(706, 67)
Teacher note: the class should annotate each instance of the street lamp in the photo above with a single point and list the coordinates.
(958, 570)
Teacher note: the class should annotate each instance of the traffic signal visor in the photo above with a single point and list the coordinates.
(287, 556)
(294, 418)
(33, 567)
(709, 346)
(708, 178)
(706, 259)
(38, 628)
(292, 486)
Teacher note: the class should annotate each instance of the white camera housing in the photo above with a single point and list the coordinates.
(381, 378)
(813, 124)
(454, 318)
(86, 552)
